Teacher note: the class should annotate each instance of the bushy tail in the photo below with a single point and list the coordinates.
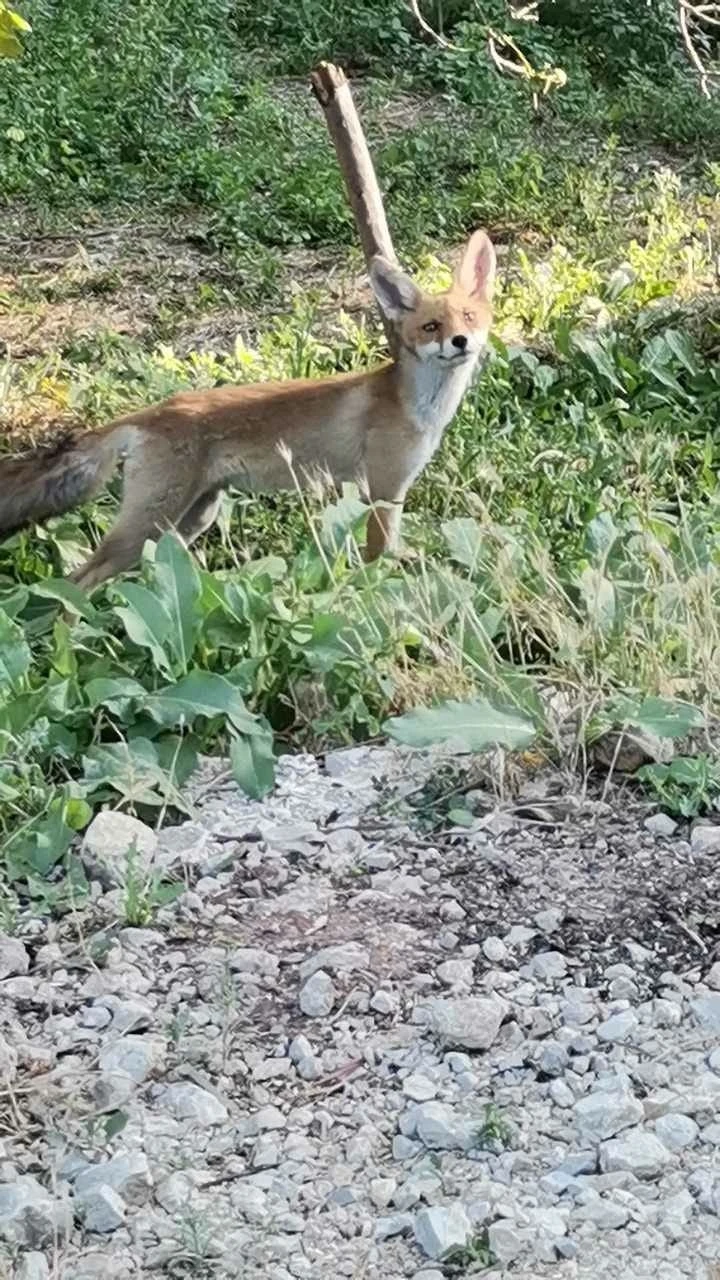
(51, 480)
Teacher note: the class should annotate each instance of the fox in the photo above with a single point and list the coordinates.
(378, 428)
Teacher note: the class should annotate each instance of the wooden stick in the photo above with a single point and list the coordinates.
(330, 86)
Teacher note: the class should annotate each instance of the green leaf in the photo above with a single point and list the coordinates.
(200, 693)
(253, 764)
(66, 593)
(598, 594)
(343, 519)
(464, 726)
(14, 651)
(465, 540)
(114, 692)
(133, 770)
(147, 623)
(597, 355)
(179, 588)
(115, 1122)
(667, 718)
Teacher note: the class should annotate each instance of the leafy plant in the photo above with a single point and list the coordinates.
(687, 786)
(11, 27)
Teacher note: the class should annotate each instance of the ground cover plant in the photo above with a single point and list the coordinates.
(173, 216)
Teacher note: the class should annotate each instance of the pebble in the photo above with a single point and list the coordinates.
(605, 1112)
(441, 1229)
(618, 1027)
(111, 841)
(466, 1022)
(706, 1010)
(705, 838)
(317, 995)
(661, 824)
(30, 1216)
(640, 1153)
(190, 1102)
(676, 1131)
(14, 959)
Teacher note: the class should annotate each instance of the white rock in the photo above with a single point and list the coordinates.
(676, 1131)
(397, 1224)
(128, 1174)
(442, 1128)
(30, 1217)
(712, 977)
(112, 841)
(136, 1056)
(384, 1002)
(317, 996)
(440, 1229)
(382, 1191)
(419, 1087)
(549, 965)
(469, 1022)
(495, 950)
(605, 1112)
(14, 959)
(266, 1152)
(607, 1215)
(101, 1209)
(640, 1153)
(705, 838)
(660, 824)
(618, 1027)
(342, 958)
(254, 960)
(32, 1267)
(706, 1010)
(190, 1102)
(8, 1061)
(506, 1240)
(456, 973)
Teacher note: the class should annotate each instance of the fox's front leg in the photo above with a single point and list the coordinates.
(383, 528)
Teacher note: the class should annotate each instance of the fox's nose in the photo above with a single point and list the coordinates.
(459, 341)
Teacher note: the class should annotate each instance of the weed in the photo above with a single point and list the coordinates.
(494, 1132)
(687, 786)
(476, 1255)
(143, 891)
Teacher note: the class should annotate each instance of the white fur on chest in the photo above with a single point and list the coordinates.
(432, 394)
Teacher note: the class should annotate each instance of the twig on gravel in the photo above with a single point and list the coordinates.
(690, 933)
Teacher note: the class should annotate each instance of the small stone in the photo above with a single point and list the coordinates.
(418, 1087)
(470, 1022)
(344, 958)
(441, 1128)
(506, 1240)
(705, 838)
(384, 1002)
(271, 1068)
(554, 1059)
(112, 841)
(397, 1224)
(452, 910)
(128, 1174)
(561, 1094)
(660, 824)
(8, 1061)
(706, 1009)
(30, 1217)
(254, 960)
(14, 959)
(637, 1152)
(549, 965)
(607, 1215)
(382, 1191)
(605, 1112)
(33, 1267)
(456, 973)
(712, 977)
(317, 996)
(549, 920)
(676, 1131)
(190, 1102)
(440, 1229)
(495, 950)
(266, 1153)
(299, 1048)
(135, 1056)
(618, 1027)
(101, 1209)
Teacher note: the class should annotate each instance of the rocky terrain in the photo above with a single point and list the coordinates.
(359, 1045)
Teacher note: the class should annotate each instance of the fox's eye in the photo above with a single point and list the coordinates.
(432, 326)
(469, 316)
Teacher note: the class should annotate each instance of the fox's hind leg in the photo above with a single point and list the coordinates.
(149, 508)
(200, 515)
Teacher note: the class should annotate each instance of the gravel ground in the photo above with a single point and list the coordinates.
(352, 1048)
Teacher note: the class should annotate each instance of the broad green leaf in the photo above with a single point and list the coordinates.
(200, 693)
(598, 594)
(179, 587)
(14, 652)
(343, 519)
(147, 623)
(253, 763)
(465, 540)
(465, 726)
(133, 770)
(114, 692)
(667, 717)
(66, 593)
(598, 357)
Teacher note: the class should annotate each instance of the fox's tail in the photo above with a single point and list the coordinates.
(50, 480)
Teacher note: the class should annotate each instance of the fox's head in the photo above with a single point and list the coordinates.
(450, 327)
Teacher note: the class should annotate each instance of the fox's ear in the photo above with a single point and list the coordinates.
(476, 272)
(394, 290)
